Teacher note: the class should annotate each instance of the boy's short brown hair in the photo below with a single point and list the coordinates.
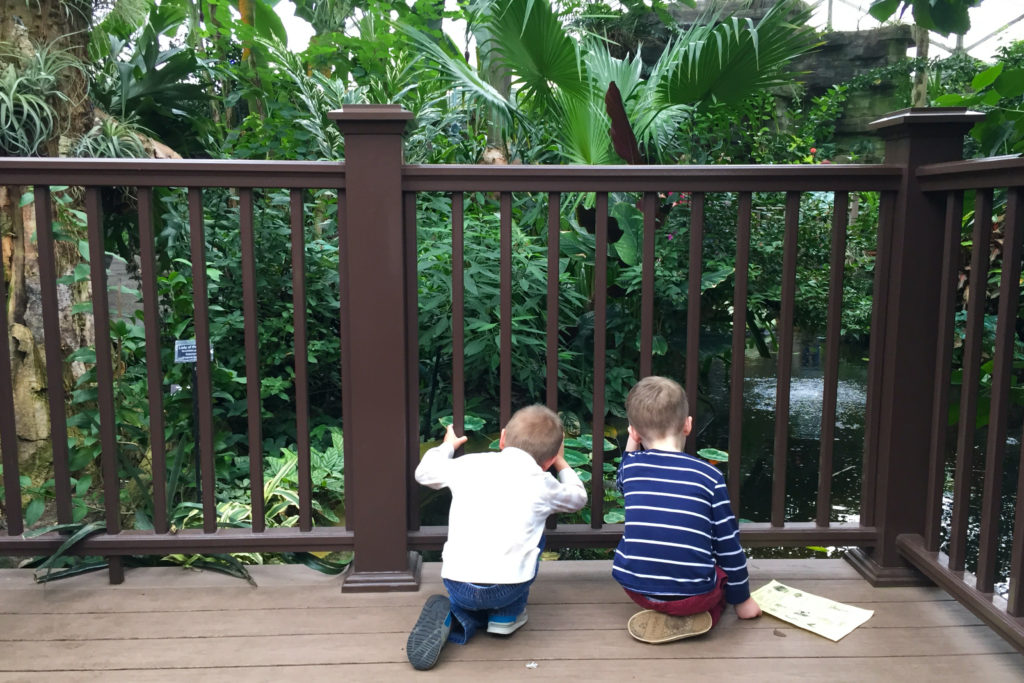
(537, 430)
(656, 407)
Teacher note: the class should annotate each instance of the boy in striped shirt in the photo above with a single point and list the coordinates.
(680, 556)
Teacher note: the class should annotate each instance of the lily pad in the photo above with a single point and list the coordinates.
(713, 454)
(471, 423)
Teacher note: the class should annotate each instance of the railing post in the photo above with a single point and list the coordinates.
(376, 381)
(910, 324)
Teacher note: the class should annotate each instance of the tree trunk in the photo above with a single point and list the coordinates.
(56, 26)
(919, 91)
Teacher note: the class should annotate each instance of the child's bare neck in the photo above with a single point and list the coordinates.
(667, 443)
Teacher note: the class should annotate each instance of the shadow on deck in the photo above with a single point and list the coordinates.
(297, 625)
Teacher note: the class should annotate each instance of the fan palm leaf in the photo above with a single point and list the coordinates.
(604, 69)
(727, 62)
(530, 41)
(462, 76)
(582, 130)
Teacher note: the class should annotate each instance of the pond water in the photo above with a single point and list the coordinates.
(806, 395)
(758, 443)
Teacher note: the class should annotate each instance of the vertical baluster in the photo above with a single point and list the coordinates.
(203, 384)
(505, 369)
(351, 489)
(1015, 597)
(943, 370)
(1009, 296)
(971, 375)
(833, 326)
(739, 348)
(54, 354)
(254, 405)
(876, 364)
(412, 363)
(650, 210)
(693, 310)
(458, 313)
(298, 244)
(600, 323)
(8, 429)
(154, 366)
(785, 359)
(554, 233)
(104, 375)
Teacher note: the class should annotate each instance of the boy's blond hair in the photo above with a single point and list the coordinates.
(537, 430)
(656, 407)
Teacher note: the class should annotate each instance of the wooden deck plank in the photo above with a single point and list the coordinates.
(995, 668)
(65, 597)
(736, 642)
(241, 621)
(163, 622)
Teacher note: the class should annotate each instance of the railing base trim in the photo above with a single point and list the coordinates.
(355, 581)
(884, 577)
(990, 608)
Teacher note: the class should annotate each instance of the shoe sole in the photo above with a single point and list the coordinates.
(429, 634)
(654, 627)
(506, 629)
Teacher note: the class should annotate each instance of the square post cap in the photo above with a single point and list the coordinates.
(926, 121)
(379, 119)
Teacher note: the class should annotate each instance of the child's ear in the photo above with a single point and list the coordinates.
(501, 440)
(633, 434)
(688, 426)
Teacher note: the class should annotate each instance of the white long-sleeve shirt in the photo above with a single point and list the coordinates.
(500, 502)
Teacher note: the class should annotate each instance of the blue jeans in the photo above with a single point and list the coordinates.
(473, 605)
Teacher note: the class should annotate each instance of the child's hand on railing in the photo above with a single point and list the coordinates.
(452, 440)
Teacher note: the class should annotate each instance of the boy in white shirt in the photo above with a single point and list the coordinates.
(500, 502)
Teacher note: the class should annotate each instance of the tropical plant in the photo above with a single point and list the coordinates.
(138, 74)
(29, 88)
(111, 139)
(943, 16)
(559, 80)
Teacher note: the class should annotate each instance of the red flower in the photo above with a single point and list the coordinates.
(814, 150)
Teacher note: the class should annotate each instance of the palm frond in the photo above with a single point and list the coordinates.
(461, 75)
(729, 61)
(583, 130)
(529, 40)
(603, 68)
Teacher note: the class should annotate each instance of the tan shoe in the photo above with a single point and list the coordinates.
(653, 627)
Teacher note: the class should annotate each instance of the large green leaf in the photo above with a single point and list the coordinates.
(943, 16)
(729, 61)
(583, 130)
(529, 40)
(462, 76)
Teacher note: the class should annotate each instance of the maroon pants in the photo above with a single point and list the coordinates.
(712, 601)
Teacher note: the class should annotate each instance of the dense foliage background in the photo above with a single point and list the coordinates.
(214, 79)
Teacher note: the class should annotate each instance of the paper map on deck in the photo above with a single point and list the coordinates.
(812, 612)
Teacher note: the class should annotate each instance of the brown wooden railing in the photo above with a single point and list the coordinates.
(920, 188)
(948, 182)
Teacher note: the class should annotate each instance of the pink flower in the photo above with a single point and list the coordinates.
(814, 150)
(824, 161)
(670, 236)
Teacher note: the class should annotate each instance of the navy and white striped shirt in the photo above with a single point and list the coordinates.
(679, 525)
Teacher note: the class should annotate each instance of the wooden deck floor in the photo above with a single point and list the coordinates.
(163, 624)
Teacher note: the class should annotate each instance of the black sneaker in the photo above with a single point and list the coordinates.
(430, 633)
